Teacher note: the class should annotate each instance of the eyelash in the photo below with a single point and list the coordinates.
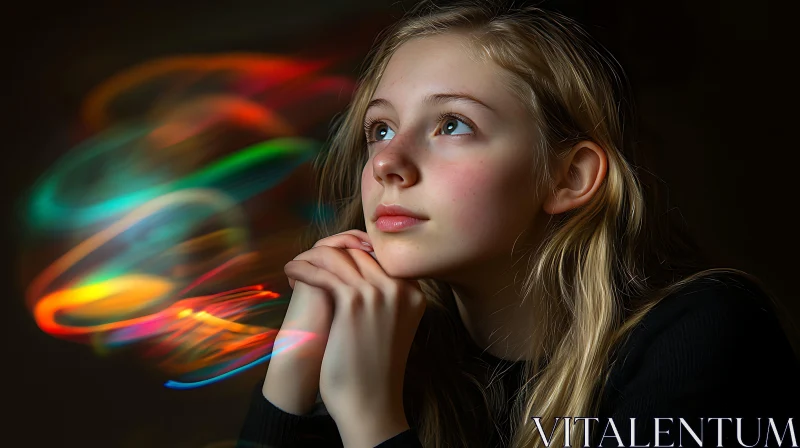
(369, 125)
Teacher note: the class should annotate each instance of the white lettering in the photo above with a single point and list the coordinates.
(616, 434)
(586, 428)
(694, 434)
(658, 431)
(567, 437)
(537, 421)
(789, 425)
(739, 433)
(633, 435)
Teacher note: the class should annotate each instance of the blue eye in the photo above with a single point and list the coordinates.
(369, 128)
(384, 132)
(452, 124)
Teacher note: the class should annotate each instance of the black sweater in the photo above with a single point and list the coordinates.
(714, 349)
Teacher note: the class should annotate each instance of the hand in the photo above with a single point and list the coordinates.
(375, 319)
(293, 376)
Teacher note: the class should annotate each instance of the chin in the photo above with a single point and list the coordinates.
(410, 267)
(402, 266)
(402, 269)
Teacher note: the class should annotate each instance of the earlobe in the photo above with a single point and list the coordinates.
(580, 176)
(553, 205)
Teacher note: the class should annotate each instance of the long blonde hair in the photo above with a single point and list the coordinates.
(597, 271)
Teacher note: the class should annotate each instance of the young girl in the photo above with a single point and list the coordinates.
(494, 274)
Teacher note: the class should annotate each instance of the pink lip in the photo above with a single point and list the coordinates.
(394, 210)
(391, 224)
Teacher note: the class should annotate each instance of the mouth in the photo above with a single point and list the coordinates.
(396, 223)
(395, 218)
(394, 210)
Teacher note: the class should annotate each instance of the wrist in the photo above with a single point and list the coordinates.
(291, 389)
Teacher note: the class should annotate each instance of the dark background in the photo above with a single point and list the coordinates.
(709, 103)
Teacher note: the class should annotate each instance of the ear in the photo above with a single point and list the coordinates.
(580, 175)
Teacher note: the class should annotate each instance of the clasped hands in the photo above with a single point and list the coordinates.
(362, 323)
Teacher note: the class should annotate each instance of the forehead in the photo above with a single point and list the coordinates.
(441, 63)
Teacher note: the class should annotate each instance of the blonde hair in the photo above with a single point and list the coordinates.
(596, 272)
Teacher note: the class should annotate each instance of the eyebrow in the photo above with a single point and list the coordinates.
(437, 98)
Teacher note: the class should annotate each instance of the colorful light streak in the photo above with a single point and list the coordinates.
(156, 201)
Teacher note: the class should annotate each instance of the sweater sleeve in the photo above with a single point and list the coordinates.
(267, 426)
(716, 352)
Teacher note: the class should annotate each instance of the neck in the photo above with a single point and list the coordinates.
(497, 318)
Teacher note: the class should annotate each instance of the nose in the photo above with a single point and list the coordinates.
(393, 165)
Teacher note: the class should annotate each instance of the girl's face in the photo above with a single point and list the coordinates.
(449, 141)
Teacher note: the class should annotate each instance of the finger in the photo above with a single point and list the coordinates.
(337, 261)
(370, 270)
(353, 239)
(374, 274)
(312, 275)
(357, 232)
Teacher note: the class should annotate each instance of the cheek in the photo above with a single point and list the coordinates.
(368, 183)
(485, 203)
(472, 194)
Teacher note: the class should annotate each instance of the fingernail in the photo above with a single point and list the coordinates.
(366, 244)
